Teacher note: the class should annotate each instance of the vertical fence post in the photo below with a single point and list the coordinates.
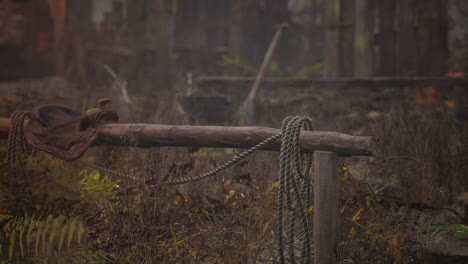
(326, 207)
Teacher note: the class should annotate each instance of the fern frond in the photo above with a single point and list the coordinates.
(32, 224)
(21, 233)
(12, 244)
(47, 224)
(34, 237)
(63, 232)
(53, 231)
(38, 236)
(71, 230)
(80, 231)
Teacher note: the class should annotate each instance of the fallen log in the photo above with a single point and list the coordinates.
(154, 135)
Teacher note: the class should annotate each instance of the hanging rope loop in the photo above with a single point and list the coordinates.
(295, 186)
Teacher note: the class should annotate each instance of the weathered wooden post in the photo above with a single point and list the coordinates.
(326, 207)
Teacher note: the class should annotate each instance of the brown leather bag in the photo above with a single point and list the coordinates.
(64, 132)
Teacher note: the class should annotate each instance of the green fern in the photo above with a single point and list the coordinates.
(96, 186)
(42, 234)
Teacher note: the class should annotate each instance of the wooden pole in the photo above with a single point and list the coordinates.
(153, 135)
(326, 207)
(246, 111)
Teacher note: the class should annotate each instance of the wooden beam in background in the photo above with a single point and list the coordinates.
(371, 82)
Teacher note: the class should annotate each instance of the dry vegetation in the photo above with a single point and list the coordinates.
(60, 214)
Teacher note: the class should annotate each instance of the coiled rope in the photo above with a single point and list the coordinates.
(18, 148)
(295, 187)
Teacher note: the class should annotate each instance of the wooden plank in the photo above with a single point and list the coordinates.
(332, 39)
(154, 135)
(363, 39)
(372, 82)
(405, 34)
(431, 23)
(326, 207)
(386, 39)
(347, 36)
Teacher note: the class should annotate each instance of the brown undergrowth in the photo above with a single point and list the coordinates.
(78, 216)
(69, 215)
(429, 153)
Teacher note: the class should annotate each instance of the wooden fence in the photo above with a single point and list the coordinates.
(326, 146)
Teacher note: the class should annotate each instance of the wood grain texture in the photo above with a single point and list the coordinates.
(326, 207)
(153, 135)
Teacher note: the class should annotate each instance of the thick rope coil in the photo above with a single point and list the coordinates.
(18, 148)
(294, 186)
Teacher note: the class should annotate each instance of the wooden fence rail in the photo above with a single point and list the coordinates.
(154, 135)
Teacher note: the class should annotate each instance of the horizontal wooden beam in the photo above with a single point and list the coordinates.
(221, 81)
(154, 135)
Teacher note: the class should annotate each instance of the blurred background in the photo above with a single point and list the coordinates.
(154, 49)
(394, 69)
